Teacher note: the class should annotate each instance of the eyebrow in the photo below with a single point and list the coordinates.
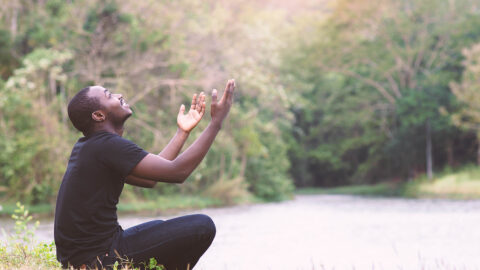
(106, 91)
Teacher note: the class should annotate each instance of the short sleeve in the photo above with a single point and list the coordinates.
(120, 155)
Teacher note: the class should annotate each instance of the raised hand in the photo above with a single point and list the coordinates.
(187, 122)
(220, 109)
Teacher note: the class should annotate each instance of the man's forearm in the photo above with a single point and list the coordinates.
(172, 149)
(194, 154)
(170, 152)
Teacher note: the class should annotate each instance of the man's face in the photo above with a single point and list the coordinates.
(113, 105)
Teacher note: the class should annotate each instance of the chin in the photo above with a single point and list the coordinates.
(127, 116)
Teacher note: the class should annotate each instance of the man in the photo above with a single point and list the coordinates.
(87, 233)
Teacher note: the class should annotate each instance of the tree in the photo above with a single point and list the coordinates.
(35, 142)
(400, 55)
(468, 94)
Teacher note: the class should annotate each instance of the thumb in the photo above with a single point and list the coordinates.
(182, 110)
(214, 96)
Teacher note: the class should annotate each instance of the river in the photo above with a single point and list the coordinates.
(338, 232)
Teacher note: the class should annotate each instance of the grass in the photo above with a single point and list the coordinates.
(8, 208)
(169, 203)
(160, 204)
(20, 250)
(383, 189)
(462, 183)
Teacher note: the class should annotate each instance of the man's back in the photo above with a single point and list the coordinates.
(85, 216)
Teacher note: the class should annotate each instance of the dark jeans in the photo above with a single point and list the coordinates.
(176, 243)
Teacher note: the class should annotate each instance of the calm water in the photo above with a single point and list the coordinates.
(338, 232)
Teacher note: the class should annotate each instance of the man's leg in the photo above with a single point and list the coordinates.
(176, 243)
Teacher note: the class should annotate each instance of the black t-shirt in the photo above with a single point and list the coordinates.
(86, 211)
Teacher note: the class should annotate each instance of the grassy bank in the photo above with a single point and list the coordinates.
(462, 183)
(162, 204)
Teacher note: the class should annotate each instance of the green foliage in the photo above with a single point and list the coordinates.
(8, 60)
(267, 173)
(228, 192)
(152, 264)
(22, 218)
(325, 99)
(31, 128)
(458, 183)
(468, 94)
(156, 62)
(372, 77)
(21, 250)
(376, 190)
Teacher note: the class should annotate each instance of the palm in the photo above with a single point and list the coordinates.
(187, 122)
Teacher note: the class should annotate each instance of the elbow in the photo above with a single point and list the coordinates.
(151, 185)
(182, 176)
(179, 181)
(180, 172)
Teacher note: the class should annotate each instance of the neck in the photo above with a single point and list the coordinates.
(108, 128)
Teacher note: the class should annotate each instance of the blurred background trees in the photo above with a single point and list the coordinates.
(378, 73)
(329, 92)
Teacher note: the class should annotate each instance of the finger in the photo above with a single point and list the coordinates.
(226, 90)
(203, 109)
(194, 102)
(229, 90)
(182, 110)
(200, 100)
(214, 96)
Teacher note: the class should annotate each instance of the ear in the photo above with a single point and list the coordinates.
(98, 116)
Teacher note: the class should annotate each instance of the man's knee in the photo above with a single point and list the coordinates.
(206, 227)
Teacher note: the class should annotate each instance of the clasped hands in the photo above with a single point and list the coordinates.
(218, 111)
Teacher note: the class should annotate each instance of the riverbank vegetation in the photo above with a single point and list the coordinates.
(330, 93)
(461, 183)
(164, 204)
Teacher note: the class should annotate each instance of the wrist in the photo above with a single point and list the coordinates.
(216, 123)
(181, 132)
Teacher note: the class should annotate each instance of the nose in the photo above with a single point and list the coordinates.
(118, 95)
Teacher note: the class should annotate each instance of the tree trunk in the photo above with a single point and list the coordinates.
(14, 21)
(429, 155)
(63, 106)
(173, 100)
(243, 164)
(222, 167)
(450, 154)
(478, 149)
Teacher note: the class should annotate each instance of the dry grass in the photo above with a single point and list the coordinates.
(228, 192)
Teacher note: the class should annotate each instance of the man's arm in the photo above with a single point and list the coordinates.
(159, 169)
(170, 152)
(185, 124)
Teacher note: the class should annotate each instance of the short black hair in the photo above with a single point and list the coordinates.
(80, 110)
